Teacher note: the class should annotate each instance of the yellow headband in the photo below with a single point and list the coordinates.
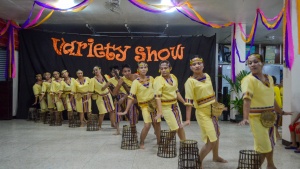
(64, 71)
(257, 56)
(142, 64)
(192, 61)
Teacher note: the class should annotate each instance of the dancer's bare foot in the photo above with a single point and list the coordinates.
(220, 160)
(142, 146)
(117, 133)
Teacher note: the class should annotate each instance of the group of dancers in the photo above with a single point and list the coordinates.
(158, 97)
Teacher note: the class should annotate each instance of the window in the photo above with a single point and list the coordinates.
(3, 63)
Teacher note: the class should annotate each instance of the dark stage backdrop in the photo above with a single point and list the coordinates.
(44, 51)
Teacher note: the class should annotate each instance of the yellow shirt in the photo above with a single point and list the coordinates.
(281, 95)
(81, 88)
(65, 87)
(260, 94)
(96, 86)
(277, 96)
(114, 82)
(46, 87)
(37, 89)
(199, 92)
(128, 82)
(143, 91)
(166, 92)
(55, 87)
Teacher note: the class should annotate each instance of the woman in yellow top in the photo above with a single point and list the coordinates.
(142, 90)
(54, 91)
(166, 95)
(258, 95)
(37, 91)
(199, 93)
(82, 93)
(104, 100)
(127, 79)
(46, 92)
(65, 93)
(120, 93)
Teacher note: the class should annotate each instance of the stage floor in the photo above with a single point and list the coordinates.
(25, 144)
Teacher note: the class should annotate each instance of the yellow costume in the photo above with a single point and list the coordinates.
(144, 93)
(167, 92)
(54, 92)
(46, 90)
(66, 88)
(37, 91)
(200, 94)
(104, 100)
(277, 96)
(262, 99)
(133, 114)
(83, 103)
(121, 93)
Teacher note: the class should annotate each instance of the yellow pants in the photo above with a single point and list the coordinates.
(43, 105)
(59, 104)
(172, 115)
(208, 124)
(50, 103)
(82, 106)
(148, 116)
(105, 104)
(264, 138)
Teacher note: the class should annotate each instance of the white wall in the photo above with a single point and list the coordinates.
(15, 86)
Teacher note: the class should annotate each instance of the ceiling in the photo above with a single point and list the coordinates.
(103, 21)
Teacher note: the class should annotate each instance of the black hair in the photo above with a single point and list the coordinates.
(274, 79)
(125, 66)
(165, 61)
(114, 67)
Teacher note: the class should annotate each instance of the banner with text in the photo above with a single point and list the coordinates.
(44, 51)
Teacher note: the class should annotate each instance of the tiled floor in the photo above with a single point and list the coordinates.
(29, 145)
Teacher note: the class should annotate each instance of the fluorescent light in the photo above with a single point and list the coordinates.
(168, 3)
(64, 4)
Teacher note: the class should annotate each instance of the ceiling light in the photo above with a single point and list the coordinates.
(169, 4)
(64, 4)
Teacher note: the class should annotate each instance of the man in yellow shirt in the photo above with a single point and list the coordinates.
(54, 92)
(37, 91)
(166, 96)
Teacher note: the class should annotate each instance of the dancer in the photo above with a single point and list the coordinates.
(258, 95)
(166, 95)
(46, 93)
(104, 100)
(142, 90)
(199, 93)
(65, 93)
(81, 92)
(126, 82)
(54, 92)
(119, 106)
(37, 91)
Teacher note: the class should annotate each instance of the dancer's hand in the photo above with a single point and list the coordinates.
(187, 123)
(122, 113)
(121, 101)
(243, 122)
(158, 116)
(34, 103)
(287, 113)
